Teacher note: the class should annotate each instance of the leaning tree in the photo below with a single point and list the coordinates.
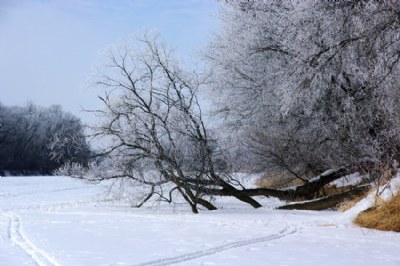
(154, 128)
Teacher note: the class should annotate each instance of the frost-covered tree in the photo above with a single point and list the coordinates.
(27, 139)
(311, 85)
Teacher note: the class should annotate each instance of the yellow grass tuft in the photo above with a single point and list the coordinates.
(278, 181)
(384, 216)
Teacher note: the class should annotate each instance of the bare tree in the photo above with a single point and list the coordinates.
(153, 124)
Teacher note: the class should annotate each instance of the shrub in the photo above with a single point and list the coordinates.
(384, 216)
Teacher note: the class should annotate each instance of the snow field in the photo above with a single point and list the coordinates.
(64, 221)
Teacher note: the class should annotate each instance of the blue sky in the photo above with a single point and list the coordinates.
(49, 47)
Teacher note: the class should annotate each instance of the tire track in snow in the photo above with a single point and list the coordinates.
(17, 237)
(208, 252)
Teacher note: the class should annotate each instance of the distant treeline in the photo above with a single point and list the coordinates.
(38, 140)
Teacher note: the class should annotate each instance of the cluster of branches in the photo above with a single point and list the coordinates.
(39, 140)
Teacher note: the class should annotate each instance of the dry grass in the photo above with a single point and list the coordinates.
(333, 189)
(385, 216)
(278, 181)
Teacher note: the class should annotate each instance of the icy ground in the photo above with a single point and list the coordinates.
(64, 221)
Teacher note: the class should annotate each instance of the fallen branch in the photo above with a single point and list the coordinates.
(331, 201)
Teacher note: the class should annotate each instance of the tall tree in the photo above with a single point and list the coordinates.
(311, 86)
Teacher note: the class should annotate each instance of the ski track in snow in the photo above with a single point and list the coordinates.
(17, 237)
(208, 252)
(48, 191)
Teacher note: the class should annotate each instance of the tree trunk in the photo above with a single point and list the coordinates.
(241, 196)
(206, 204)
(331, 201)
(306, 191)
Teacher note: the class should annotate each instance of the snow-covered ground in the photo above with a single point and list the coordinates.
(64, 221)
